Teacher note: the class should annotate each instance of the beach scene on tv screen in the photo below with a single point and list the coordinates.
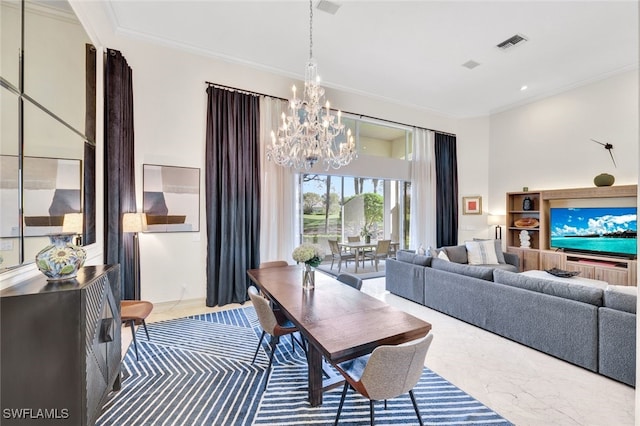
(595, 229)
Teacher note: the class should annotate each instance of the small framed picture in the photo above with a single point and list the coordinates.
(472, 205)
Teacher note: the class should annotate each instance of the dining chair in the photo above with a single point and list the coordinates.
(270, 325)
(350, 280)
(381, 252)
(135, 312)
(339, 255)
(353, 238)
(273, 264)
(388, 372)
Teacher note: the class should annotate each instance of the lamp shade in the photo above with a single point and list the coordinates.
(134, 222)
(72, 222)
(494, 219)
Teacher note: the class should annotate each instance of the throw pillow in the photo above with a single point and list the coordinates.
(499, 252)
(442, 255)
(481, 252)
(457, 254)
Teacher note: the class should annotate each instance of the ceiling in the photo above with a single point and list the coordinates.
(407, 52)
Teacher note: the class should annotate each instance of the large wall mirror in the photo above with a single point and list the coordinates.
(47, 128)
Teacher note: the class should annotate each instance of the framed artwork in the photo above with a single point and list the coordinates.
(171, 198)
(472, 205)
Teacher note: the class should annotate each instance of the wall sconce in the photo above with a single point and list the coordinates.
(496, 220)
(73, 222)
(134, 223)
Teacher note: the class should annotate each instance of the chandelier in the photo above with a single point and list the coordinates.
(310, 134)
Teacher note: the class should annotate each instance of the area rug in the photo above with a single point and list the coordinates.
(197, 371)
(366, 272)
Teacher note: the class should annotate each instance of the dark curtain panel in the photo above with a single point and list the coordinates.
(232, 185)
(119, 178)
(89, 169)
(446, 190)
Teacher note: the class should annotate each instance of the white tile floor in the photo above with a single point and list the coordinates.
(523, 385)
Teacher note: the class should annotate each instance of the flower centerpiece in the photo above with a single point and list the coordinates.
(366, 233)
(311, 256)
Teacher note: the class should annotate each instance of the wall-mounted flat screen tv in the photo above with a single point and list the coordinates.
(601, 230)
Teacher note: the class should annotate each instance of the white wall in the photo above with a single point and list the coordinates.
(546, 144)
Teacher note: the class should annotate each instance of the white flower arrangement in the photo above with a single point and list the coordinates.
(308, 253)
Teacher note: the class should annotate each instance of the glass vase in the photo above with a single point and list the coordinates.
(308, 277)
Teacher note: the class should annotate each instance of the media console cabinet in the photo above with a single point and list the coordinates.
(60, 348)
(612, 269)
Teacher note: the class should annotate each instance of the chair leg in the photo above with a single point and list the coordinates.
(371, 412)
(132, 324)
(258, 348)
(344, 393)
(145, 329)
(376, 265)
(415, 406)
(332, 260)
(274, 344)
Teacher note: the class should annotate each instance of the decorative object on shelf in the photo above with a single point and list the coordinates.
(496, 220)
(311, 256)
(61, 259)
(526, 222)
(527, 204)
(562, 273)
(310, 134)
(525, 239)
(472, 205)
(604, 179)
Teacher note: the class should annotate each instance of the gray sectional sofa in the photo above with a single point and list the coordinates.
(588, 326)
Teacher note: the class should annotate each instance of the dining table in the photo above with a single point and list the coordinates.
(339, 322)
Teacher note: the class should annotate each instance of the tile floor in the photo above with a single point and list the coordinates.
(525, 386)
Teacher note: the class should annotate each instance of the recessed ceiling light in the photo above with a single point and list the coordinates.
(523, 88)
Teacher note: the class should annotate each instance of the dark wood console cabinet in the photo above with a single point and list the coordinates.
(60, 348)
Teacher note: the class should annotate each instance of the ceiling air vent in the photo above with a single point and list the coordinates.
(471, 64)
(512, 42)
(328, 6)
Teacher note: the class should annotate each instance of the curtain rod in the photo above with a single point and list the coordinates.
(252, 93)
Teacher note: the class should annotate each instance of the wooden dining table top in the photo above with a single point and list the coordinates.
(339, 320)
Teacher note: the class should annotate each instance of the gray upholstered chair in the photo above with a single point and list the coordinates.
(350, 280)
(381, 252)
(270, 325)
(339, 255)
(389, 371)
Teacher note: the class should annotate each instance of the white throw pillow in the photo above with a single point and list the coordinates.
(481, 253)
(442, 255)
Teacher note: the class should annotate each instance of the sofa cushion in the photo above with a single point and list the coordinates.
(484, 273)
(457, 254)
(411, 257)
(481, 252)
(405, 256)
(577, 292)
(621, 298)
(442, 255)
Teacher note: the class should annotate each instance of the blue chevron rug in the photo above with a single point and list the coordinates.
(197, 371)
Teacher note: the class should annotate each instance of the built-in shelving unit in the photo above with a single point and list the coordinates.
(612, 269)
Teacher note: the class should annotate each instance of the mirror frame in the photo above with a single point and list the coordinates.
(86, 135)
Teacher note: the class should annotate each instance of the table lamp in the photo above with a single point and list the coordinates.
(496, 220)
(73, 222)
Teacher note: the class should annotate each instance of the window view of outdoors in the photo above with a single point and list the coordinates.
(337, 207)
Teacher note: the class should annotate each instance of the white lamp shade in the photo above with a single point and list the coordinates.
(134, 222)
(494, 219)
(72, 222)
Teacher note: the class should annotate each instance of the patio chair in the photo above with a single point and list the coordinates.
(381, 252)
(339, 255)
